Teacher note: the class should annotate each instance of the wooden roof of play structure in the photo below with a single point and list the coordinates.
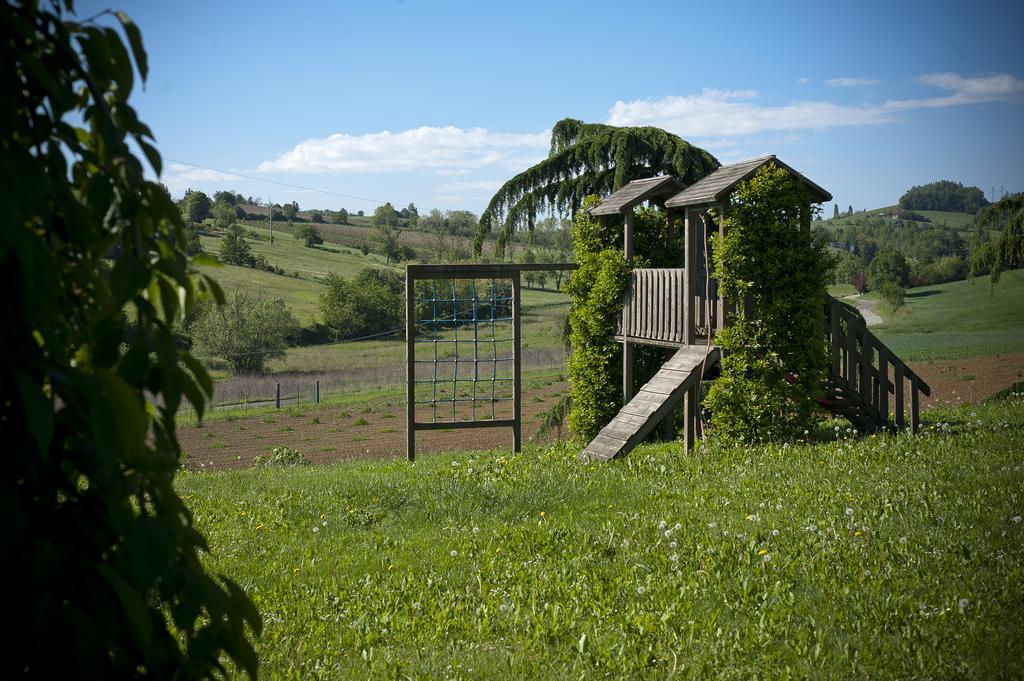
(718, 185)
(714, 188)
(636, 192)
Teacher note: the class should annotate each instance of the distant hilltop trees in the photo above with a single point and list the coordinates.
(944, 195)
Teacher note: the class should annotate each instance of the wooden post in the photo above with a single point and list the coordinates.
(627, 347)
(865, 366)
(834, 345)
(897, 379)
(851, 353)
(690, 415)
(318, 391)
(690, 280)
(915, 414)
(517, 375)
(277, 395)
(722, 320)
(410, 365)
(883, 383)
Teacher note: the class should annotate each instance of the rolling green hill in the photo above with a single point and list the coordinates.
(959, 319)
(304, 267)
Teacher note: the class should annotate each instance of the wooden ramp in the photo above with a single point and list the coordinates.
(655, 400)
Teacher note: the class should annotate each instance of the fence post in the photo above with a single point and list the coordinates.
(318, 391)
(277, 395)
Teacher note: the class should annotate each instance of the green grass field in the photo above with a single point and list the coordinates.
(959, 319)
(938, 217)
(883, 557)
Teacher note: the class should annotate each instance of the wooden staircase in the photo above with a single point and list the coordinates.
(863, 373)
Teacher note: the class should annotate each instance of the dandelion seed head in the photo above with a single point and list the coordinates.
(640, 590)
(454, 553)
(849, 512)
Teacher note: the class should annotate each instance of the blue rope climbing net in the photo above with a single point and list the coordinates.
(465, 328)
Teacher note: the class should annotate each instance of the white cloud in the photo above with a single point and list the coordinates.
(719, 113)
(179, 176)
(850, 82)
(716, 143)
(994, 87)
(448, 149)
(715, 113)
(484, 185)
(803, 81)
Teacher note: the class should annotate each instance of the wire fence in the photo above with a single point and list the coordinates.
(259, 392)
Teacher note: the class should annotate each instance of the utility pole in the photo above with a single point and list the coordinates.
(271, 221)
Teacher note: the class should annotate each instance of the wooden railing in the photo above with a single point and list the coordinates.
(863, 372)
(652, 311)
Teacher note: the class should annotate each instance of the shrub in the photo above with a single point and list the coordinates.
(309, 234)
(282, 456)
(234, 250)
(370, 303)
(247, 331)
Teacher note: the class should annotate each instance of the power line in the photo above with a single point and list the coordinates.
(283, 184)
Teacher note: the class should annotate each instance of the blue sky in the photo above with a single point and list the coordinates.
(438, 103)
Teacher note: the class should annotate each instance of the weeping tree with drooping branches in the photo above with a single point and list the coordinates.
(1008, 250)
(587, 159)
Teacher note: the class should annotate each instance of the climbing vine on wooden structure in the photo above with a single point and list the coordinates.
(773, 350)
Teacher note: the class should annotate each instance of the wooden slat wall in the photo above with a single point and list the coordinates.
(654, 306)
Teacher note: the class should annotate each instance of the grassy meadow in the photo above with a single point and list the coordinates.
(895, 556)
(305, 269)
(959, 319)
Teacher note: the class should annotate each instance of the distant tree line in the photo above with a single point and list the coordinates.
(944, 195)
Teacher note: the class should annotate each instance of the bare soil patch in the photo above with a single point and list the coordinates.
(375, 430)
(969, 380)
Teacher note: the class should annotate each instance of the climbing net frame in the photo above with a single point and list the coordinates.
(445, 315)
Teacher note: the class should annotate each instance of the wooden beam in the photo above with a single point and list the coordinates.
(722, 320)
(483, 270)
(689, 280)
(410, 364)
(899, 383)
(517, 374)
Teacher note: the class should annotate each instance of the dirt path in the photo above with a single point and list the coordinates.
(871, 317)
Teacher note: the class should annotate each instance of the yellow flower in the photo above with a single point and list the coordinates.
(542, 514)
(762, 552)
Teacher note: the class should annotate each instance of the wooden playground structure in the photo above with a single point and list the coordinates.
(680, 308)
(664, 307)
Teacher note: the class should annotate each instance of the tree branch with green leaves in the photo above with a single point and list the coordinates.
(103, 549)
